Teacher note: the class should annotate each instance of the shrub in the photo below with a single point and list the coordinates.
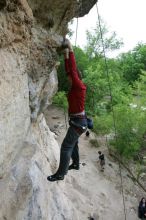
(102, 124)
(130, 128)
(94, 143)
(60, 100)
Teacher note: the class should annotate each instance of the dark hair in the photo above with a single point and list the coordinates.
(141, 202)
(142, 199)
(99, 152)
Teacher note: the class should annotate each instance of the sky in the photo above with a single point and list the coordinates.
(126, 17)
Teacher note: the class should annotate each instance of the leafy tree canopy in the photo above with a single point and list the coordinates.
(94, 47)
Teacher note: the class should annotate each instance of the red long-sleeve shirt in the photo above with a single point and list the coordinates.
(76, 95)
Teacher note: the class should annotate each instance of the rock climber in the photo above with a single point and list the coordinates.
(77, 116)
(102, 160)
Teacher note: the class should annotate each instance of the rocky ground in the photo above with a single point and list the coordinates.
(89, 191)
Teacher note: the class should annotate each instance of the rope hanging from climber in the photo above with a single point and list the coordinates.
(76, 111)
(113, 113)
(111, 96)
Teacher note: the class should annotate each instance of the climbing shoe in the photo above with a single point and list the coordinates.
(74, 166)
(55, 177)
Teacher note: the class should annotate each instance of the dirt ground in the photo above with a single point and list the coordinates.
(90, 191)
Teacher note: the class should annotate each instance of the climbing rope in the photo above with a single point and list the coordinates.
(76, 32)
(110, 91)
(79, 8)
(79, 2)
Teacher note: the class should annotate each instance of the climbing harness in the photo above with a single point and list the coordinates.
(114, 124)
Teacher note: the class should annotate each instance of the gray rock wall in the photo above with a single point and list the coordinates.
(14, 105)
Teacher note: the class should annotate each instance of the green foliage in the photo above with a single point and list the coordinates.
(96, 89)
(132, 63)
(119, 89)
(82, 60)
(140, 51)
(100, 86)
(62, 77)
(140, 91)
(94, 46)
(94, 143)
(131, 68)
(60, 100)
(129, 129)
(103, 124)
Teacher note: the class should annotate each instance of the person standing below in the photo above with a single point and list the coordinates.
(142, 209)
(77, 117)
(102, 160)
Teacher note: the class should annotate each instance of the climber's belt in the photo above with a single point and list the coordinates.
(77, 116)
(71, 122)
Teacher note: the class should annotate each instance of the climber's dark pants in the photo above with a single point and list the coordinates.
(69, 147)
(75, 154)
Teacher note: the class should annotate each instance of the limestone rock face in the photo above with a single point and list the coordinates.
(30, 34)
(14, 105)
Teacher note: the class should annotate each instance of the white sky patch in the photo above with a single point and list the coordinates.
(126, 17)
